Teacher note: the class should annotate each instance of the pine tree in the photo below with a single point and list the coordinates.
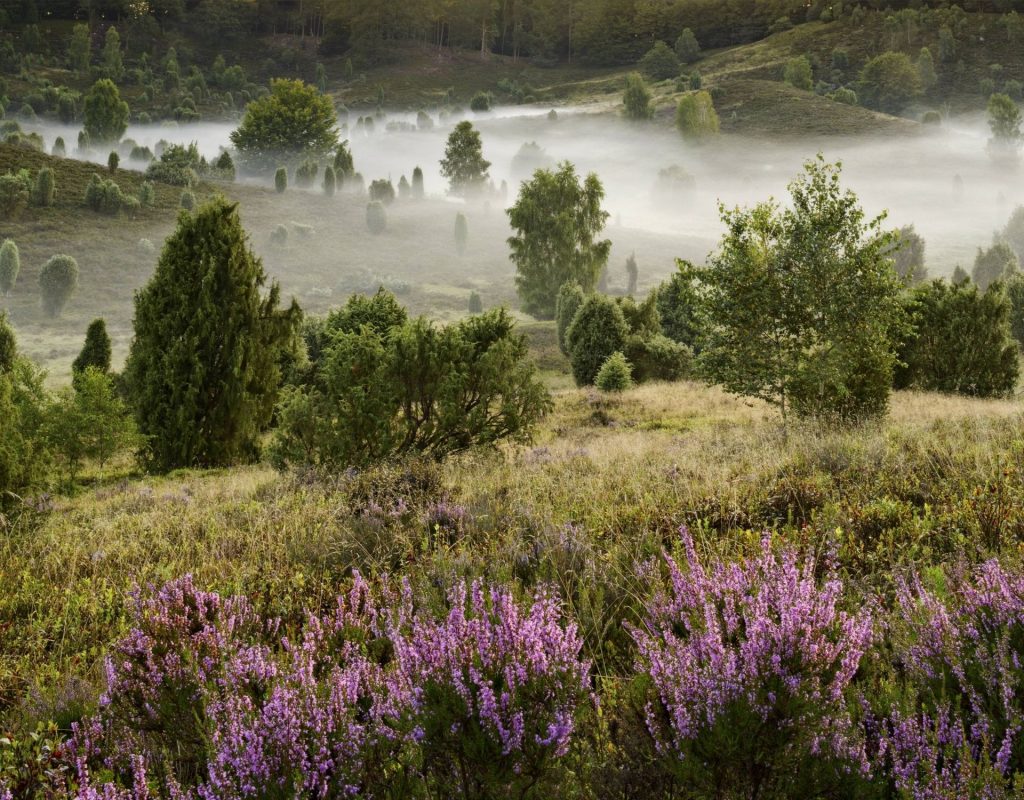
(10, 266)
(96, 350)
(203, 370)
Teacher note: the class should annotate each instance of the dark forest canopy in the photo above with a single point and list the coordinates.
(593, 31)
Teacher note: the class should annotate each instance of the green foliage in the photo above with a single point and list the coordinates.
(657, 358)
(463, 164)
(330, 181)
(801, 304)
(1013, 233)
(79, 49)
(111, 59)
(88, 422)
(480, 102)
(178, 165)
(10, 266)
(113, 161)
(961, 341)
(615, 375)
(660, 62)
(632, 274)
(696, 118)
(476, 305)
(147, 194)
(293, 121)
(281, 180)
(1015, 294)
(678, 307)
(598, 329)
(344, 165)
(926, 70)
(305, 173)
(23, 456)
(376, 217)
(569, 301)
(15, 191)
(8, 345)
(637, 98)
(556, 220)
(997, 263)
(413, 388)
(687, 47)
(382, 190)
(461, 233)
(798, 73)
(203, 370)
(44, 189)
(96, 350)
(106, 197)
(889, 81)
(106, 114)
(417, 184)
(908, 256)
(188, 200)
(1004, 118)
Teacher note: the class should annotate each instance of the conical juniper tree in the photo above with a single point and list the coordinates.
(203, 370)
(96, 350)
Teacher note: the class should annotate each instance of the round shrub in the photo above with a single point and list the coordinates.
(481, 102)
(598, 330)
(376, 218)
(57, 282)
(383, 191)
(615, 375)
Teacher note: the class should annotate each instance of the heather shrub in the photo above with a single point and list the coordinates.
(500, 690)
(959, 641)
(750, 664)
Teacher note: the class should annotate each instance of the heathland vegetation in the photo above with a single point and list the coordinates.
(329, 469)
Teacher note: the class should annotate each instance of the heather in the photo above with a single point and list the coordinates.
(577, 616)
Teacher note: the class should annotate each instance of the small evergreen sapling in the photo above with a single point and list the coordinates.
(615, 375)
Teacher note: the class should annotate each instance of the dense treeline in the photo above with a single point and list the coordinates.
(593, 31)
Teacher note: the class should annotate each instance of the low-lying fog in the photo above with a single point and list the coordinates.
(913, 177)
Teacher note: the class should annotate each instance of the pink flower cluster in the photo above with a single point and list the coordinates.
(763, 634)
(225, 706)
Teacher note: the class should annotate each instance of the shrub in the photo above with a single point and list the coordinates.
(570, 298)
(461, 233)
(106, 114)
(889, 81)
(696, 117)
(687, 47)
(188, 200)
(404, 189)
(10, 266)
(417, 184)
(224, 167)
(598, 329)
(57, 282)
(751, 663)
(330, 182)
(59, 148)
(177, 165)
(476, 305)
(15, 191)
(105, 196)
(615, 375)
(383, 191)
(798, 73)
(281, 180)
(660, 62)
(678, 307)
(480, 102)
(113, 161)
(410, 388)
(637, 98)
(961, 342)
(305, 173)
(843, 95)
(997, 263)
(657, 358)
(206, 403)
(279, 236)
(376, 217)
(44, 190)
(147, 194)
